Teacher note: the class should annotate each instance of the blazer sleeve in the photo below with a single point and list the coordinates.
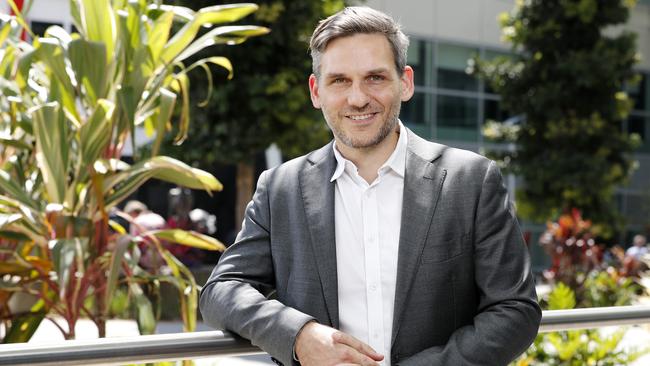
(235, 297)
(508, 315)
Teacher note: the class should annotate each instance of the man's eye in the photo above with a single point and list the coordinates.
(338, 81)
(376, 78)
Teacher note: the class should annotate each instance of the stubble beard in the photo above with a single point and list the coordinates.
(387, 127)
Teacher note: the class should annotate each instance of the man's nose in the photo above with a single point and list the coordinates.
(358, 97)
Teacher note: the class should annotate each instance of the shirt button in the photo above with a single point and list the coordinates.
(373, 287)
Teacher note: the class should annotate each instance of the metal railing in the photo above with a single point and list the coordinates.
(167, 347)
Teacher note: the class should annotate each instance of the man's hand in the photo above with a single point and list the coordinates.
(319, 345)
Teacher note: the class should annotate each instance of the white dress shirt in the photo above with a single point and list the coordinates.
(367, 229)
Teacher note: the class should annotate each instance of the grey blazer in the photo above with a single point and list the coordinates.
(464, 294)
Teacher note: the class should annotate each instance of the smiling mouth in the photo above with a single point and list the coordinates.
(361, 117)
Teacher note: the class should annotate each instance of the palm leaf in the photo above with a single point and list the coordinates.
(189, 238)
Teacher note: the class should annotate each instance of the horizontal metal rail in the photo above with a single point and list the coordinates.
(179, 346)
(588, 318)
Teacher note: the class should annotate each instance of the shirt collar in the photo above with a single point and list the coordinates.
(396, 161)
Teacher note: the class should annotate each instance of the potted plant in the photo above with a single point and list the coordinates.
(68, 105)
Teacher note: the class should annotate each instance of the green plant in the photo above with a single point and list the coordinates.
(272, 71)
(68, 104)
(579, 263)
(576, 347)
(565, 82)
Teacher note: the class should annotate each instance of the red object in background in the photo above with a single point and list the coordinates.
(19, 5)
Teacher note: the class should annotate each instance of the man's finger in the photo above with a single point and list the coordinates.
(348, 340)
(354, 357)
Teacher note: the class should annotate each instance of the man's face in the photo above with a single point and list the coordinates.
(359, 90)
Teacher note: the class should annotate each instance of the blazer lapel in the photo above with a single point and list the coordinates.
(318, 198)
(422, 183)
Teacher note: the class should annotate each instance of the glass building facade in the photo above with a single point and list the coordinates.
(451, 106)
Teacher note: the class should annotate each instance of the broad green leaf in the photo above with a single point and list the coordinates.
(145, 317)
(183, 84)
(95, 134)
(187, 288)
(203, 63)
(51, 148)
(23, 327)
(64, 96)
(180, 13)
(5, 30)
(8, 219)
(210, 15)
(51, 53)
(13, 235)
(121, 185)
(63, 256)
(159, 34)
(76, 15)
(90, 75)
(24, 68)
(126, 106)
(167, 100)
(225, 13)
(231, 35)
(59, 33)
(216, 60)
(9, 55)
(13, 142)
(189, 238)
(117, 255)
(98, 21)
(12, 189)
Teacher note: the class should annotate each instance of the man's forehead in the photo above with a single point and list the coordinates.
(359, 53)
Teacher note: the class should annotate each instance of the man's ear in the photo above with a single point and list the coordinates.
(408, 87)
(313, 91)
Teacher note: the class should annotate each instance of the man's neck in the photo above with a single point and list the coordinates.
(368, 160)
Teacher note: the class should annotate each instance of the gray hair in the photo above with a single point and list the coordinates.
(354, 20)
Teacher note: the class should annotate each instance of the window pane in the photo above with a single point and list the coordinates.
(420, 58)
(452, 62)
(457, 118)
(415, 110)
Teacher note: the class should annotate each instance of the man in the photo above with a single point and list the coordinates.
(381, 247)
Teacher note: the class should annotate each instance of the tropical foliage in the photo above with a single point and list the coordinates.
(68, 105)
(566, 84)
(270, 102)
(595, 274)
(576, 347)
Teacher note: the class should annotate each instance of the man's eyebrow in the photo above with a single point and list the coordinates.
(380, 70)
(334, 75)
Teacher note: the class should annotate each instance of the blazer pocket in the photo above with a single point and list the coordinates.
(446, 249)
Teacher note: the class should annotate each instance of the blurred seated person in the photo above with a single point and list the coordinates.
(143, 221)
(633, 262)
